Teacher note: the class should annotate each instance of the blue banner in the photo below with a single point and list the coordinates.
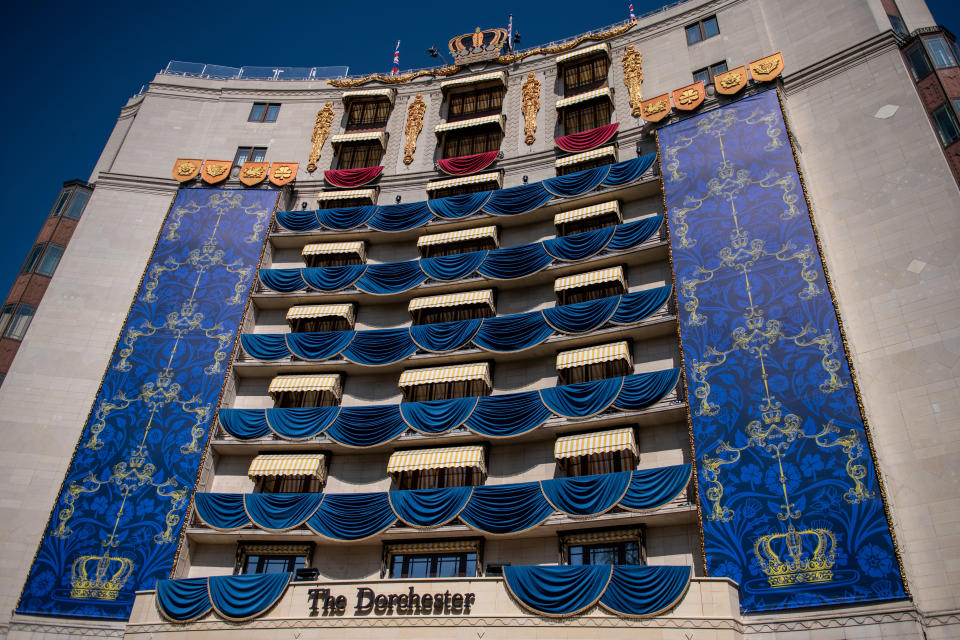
(115, 526)
(791, 506)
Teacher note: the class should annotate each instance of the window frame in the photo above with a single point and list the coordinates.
(394, 550)
(485, 139)
(586, 74)
(252, 155)
(21, 311)
(711, 72)
(701, 30)
(918, 47)
(291, 551)
(6, 315)
(377, 118)
(633, 535)
(33, 258)
(288, 484)
(493, 94)
(576, 113)
(439, 478)
(946, 50)
(948, 112)
(50, 247)
(359, 155)
(270, 112)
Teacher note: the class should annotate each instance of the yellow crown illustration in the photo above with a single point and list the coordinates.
(797, 557)
(477, 46)
(99, 577)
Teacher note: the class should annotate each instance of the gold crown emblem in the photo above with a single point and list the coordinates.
(477, 46)
(797, 557)
(99, 577)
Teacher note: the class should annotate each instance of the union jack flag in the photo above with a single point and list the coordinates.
(632, 16)
(396, 60)
(510, 33)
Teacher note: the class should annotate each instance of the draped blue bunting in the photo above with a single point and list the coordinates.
(265, 347)
(582, 316)
(496, 509)
(429, 507)
(183, 600)
(297, 220)
(400, 217)
(493, 416)
(517, 200)
(645, 591)
(445, 336)
(459, 206)
(345, 218)
(573, 184)
(503, 264)
(380, 346)
(318, 346)
(239, 598)
(560, 590)
(634, 307)
(512, 333)
(625, 172)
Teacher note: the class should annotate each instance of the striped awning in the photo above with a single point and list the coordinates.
(610, 274)
(453, 373)
(278, 465)
(583, 97)
(595, 355)
(459, 236)
(327, 248)
(349, 194)
(584, 52)
(441, 458)
(496, 119)
(484, 296)
(345, 311)
(329, 382)
(360, 136)
(498, 76)
(593, 211)
(369, 93)
(592, 537)
(439, 546)
(577, 158)
(438, 185)
(586, 444)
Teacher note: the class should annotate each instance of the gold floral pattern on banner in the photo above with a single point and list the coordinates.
(186, 169)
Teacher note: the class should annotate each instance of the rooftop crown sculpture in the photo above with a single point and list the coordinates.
(478, 46)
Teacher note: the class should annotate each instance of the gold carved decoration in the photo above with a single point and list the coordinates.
(282, 173)
(766, 69)
(215, 171)
(406, 77)
(186, 169)
(321, 129)
(689, 98)
(731, 82)
(633, 77)
(531, 105)
(253, 173)
(655, 109)
(415, 113)
(566, 46)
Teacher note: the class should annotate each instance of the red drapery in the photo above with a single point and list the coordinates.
(465, 165)
(351, 178)
(586, 140)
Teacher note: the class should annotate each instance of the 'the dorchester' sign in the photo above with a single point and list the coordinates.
(322, 602)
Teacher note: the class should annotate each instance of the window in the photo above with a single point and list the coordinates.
(940, 52)
(356, 156)
(706, 28)
(590, 115)
(439, 478)
(77, 204)
(469, 143)
(368, 114)
(249, 154)
(475, 103)
(33, 258)
(919, 63)
(898, 26)
(20, 322)
(452, 559)
(272, 558)
(587, 164)
(945, 122)
(5, 314)
(619, 547)
(288, 484)
(61, 203)
(43, 259)
(264, 112)
(586, 75)
(707, 74)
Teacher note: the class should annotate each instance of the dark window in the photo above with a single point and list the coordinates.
(20, 322)
(919, 63)
(77, 204)
(264, 112)
(945, 122)
(51, 258)
(706, 28)
(461, 190)
(583, 166)
(356, 156)
(288, 484)
(585, 75)
(368, 114)
(61, 203)
(346, 202)
(433, 565)
(475, 103)
(272, 558)
(707, 74)
(33, 258)
(597, 463)
(626, 552)
(249, 154)
(5, 314)
(456, 144)
(439, 478)
(583, 117)
(898, 26)
(940, 52)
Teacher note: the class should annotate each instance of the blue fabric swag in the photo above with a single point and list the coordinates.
(497, 416)
(499, 264)
(234, 598)
(503, 334)
(495, 509)
(503, 202)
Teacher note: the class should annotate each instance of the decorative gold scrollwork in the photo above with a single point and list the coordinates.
(531, 105)
(633, 78)
(415, 113)
(321, 129)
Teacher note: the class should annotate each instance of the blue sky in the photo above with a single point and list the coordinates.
(70, 70)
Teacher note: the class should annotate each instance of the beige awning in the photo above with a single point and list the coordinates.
(494, 177)
(591, 537)
(329, 382)
(583, 97)
(577, 158)
(586, 444)
(595, 355)
(311, 464)
(593, 211)
(579, 280)
(361, 136)
(484, 296)
(390, 94)
(442, 458)
(349, 194)
(453, 373)
(460, 236)
(434, 547)
(328, 248)
(312, 311)
(493, 76)
(496, 119)
(579, 53)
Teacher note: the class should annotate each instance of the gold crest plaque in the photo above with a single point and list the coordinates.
(186, 169)
(655, 109)
(215, 171)
(253, 173)
(731, 82)
(282, 173)
(689, 97)
(766, 69)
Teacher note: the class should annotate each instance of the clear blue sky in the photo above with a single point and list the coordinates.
(71, 66)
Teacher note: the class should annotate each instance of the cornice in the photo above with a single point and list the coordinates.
(838, 62)
(139, 184)
(59, 627)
